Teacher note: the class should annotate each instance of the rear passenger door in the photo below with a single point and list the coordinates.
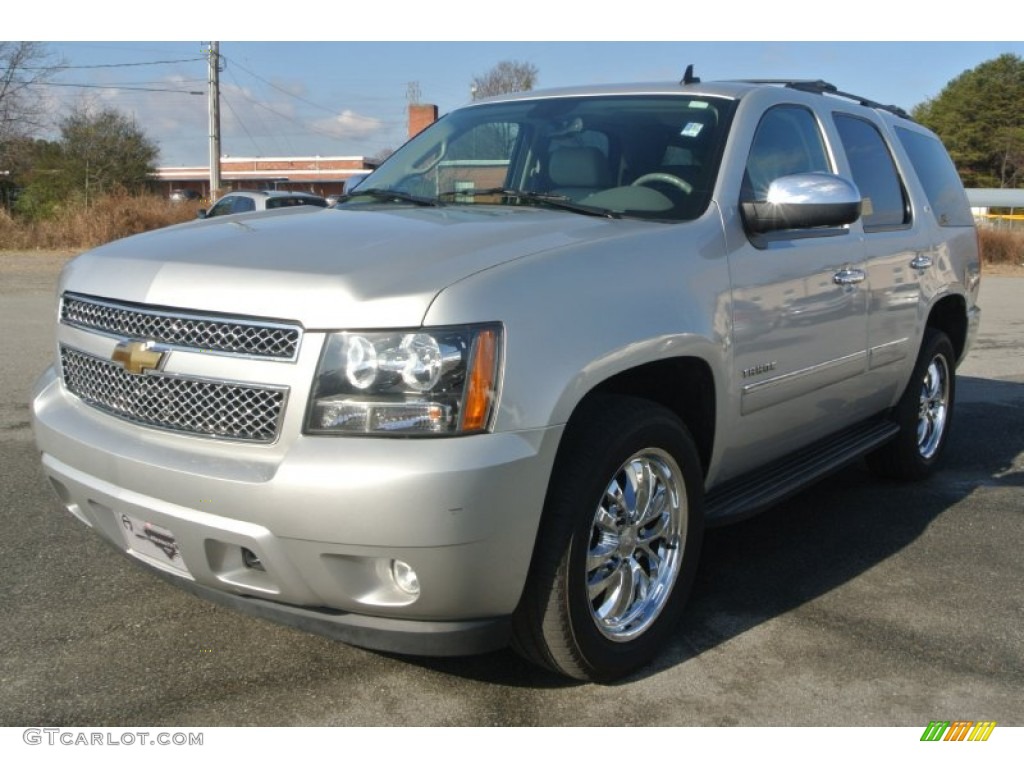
(896, 253)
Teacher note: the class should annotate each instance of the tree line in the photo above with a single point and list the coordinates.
(979, 116)
(98, 151)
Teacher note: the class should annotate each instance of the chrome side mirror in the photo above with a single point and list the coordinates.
(804, 201)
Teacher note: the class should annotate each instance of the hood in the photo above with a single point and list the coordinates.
(333, 268)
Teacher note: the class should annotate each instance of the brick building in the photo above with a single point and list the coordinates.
(320, 175)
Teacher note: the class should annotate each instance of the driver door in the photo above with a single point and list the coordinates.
(799, 308)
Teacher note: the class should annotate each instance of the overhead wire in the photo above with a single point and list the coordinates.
(297, 97)
(111, 87)
(258, 115)
(151, 87)
(56, 67)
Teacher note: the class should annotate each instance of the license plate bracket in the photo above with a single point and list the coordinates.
(152, 543)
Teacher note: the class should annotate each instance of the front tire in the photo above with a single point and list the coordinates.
(924, 414)
(618, 545)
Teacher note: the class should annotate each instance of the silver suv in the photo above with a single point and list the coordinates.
(496, 394)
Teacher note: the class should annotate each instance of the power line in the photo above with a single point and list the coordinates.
(109, 66)
(286, 92)
(241, 122)
(283, 90)
(111, 87)
(273, 135)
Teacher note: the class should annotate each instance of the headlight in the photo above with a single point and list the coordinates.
(439, 381)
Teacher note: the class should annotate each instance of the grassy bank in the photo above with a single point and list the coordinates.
(1002, 246)
(78, 227)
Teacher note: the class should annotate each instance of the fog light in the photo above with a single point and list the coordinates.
(405, 577)
(251, 560)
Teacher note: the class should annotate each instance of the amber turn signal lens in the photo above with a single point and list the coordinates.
(480, 389)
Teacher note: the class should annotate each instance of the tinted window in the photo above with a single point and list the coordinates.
(222, 208)
(290, 202)
(938, 177)
(243, 205)
(874, 173)
(787, 141)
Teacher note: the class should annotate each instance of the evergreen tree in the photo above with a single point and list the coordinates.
(980, 118)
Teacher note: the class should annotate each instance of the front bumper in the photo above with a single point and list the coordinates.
(323, 517)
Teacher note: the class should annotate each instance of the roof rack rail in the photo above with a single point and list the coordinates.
(822, 87)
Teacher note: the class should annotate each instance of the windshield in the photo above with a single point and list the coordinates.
(642, 156)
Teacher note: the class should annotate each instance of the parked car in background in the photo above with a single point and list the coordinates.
(260, 200)
(184, 195)
(350, 184)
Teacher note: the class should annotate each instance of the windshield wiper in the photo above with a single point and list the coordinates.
(551, 199)
(386, 195)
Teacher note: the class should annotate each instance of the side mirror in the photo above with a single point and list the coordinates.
(804, 201)
(201, 213)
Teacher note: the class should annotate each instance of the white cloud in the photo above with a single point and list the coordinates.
(349, 125)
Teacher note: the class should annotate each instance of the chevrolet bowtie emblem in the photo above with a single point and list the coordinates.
(136, 356)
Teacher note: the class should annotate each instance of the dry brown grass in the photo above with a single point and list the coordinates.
(1002, 246)
(109, 218)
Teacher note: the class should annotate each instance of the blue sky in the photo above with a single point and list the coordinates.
(349, 98)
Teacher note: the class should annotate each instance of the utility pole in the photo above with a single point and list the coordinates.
(214, 109)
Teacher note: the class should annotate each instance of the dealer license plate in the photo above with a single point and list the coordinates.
(152, 542)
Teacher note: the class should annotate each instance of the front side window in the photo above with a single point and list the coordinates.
(222, 207)
(653, 156)
(884, 203)
(788, 141)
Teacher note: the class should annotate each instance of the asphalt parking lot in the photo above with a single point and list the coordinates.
(858, 602)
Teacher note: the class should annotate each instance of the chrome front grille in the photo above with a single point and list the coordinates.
(184, 329)
(180, 403)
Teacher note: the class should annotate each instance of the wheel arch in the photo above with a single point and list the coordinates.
(683, 385)
(949, 315)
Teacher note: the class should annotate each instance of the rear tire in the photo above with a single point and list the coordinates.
(924, 414)
(618, 545)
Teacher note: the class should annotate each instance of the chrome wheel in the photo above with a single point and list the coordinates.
(934, 407)
(635, 548)
(924, 414)
(619, 541)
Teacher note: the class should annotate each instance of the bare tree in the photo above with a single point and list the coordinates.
(504, 77)
(24, 66)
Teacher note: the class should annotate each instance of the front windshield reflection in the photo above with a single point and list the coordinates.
(639, 156)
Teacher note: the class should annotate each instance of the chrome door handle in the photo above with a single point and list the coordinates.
(849, 276)
(921, 261)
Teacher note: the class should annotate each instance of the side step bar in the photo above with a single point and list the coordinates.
(749, 494)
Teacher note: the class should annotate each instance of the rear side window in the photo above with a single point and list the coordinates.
(290, 202)
(938, 177)
(874, 173)
(279, 202)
